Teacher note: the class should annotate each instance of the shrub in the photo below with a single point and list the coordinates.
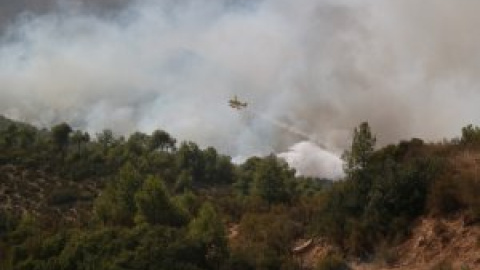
(444, 197)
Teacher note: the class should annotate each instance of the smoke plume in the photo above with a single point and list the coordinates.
(319, 67)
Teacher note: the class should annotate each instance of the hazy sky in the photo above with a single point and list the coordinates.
(408, 67)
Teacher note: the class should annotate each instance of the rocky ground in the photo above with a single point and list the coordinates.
(36, 192)
(434, 243)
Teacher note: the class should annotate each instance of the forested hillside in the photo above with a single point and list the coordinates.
(74, 200)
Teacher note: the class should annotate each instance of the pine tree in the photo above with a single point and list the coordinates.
(362, 148)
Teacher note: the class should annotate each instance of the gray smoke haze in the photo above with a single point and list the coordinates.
(320, 66)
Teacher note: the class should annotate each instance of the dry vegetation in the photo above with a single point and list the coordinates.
(24, 190)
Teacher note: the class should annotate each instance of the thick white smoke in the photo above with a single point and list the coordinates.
(319, 66)
(311, 160)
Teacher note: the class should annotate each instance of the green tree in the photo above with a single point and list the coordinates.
(26, 136)
(61, 137)
(155, 206)
(138, 143)
(218, 169)
(106, 139)
(117, 205)
(208, 229)
(183, 182)
(271, 180)
(190, 158)
(9, 135)
(79, 138)
(245, 176)
(361, 150)
(470, 135)
(161, 140)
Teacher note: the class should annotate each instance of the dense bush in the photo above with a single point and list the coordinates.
(380, 197)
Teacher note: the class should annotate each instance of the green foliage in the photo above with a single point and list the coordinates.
(310, 186)
(272, 180)
(138, 143)
(154, 205)
(105, 139)
(161, 140)
(163, 207)
(184, 182)
(117, 204)
(207, 228)
(18, 135)
(361, 150)
(276, 231)
(383, 193)
(188, 202)
(143, 247)
(26, 228)
(60, 135)
(52, 246)
(79, 138)
(205, 167)
(9, 135)
(470, 135)
(246, 172)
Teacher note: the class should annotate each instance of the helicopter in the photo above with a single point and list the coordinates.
(237, 104)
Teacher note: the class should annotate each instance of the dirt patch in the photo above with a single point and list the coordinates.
(25, 190)
(434, 241)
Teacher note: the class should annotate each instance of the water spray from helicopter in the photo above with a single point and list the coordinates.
(309, 157)
(243, 106)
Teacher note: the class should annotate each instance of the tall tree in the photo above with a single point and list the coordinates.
(106, 139)
(138, 142)
(154, 205)
(61, 137)
(208, 229)
(363, 144)
(161, 140)
(470, 135)
(189, 157)
(271, 180)
(117, 204)
(78, 138)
